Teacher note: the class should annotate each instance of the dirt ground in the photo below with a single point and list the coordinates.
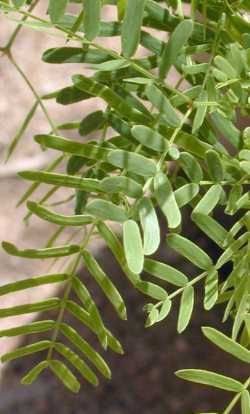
(143, 378)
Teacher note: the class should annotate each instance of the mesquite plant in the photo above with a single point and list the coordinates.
(158, 146)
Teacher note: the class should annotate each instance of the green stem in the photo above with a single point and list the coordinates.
(31, 87)
(18, 28)
(180, 290)
(236, 398)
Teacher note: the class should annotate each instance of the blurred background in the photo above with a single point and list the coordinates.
(143, 379)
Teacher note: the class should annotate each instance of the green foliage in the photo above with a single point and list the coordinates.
(157, 146)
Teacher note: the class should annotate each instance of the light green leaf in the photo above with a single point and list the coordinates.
(150, 226)
(31, 328)
(85, 297)
(65, 375)
(63, 180)
(132, 162)
(178, 39)
(200, 112)
(231, 250)
(117, 249)
(227, 344)
(215, 167)
(210, 378)
(185, 194)
(32, 282)
(150, 138)
(105, 284)
(152, 290)
(133, 246)
(192, 144)
(165, 198)
(43, 306)
(121, 6)
(225, 66)
(25, 350)
(19, 3)
(209, 201)
(164, 310)
(86, 349)
(131, 27)
(48, 215)
(79, 313)
(62, 251)
(111, 65)
(33, 374)
(86, 150)
(114, 100)
(186, 308)
(92, 16)
(57, 9)
(227, 129)
(165, 272)
(214, 230)
(77, 362)
(105, 210)
(121, 185)
(211, 289)
(152, 317)
(191, 167)
(160, 101)
(240, 314)
(245, 402)
(189, 250)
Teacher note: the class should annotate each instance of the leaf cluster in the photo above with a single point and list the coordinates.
(156, 146)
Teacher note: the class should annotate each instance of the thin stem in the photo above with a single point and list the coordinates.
(25, 78)
(18, 28)
(180, 290)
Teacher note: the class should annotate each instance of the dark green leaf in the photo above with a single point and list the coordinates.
(91, 123)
